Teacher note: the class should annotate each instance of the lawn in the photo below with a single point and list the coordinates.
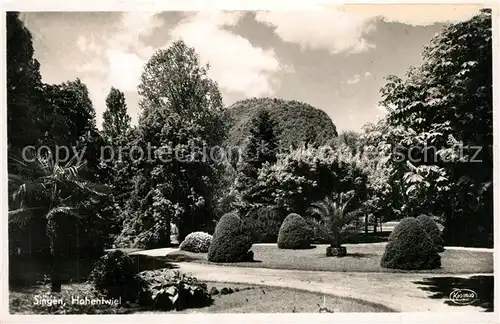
(244, 299)
(261, 299)
(360, 258)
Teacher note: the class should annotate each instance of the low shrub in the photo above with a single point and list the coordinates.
(168, 290)
(231, 241)
(115, 275)
(409, 248)
(295, 233)
(197, 242)
(432, 231)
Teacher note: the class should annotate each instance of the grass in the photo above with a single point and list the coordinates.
(360, 258)
(261, 299)
(244, 299)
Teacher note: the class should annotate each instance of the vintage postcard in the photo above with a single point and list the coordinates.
(313, 161)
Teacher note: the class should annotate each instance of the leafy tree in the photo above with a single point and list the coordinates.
(445, 105)
(116, 121)
(118, 136)
(309, 174)
(181, 122)
(23, 82)
(69, 114)
(43, 188)
(381, 202)
(351, 139)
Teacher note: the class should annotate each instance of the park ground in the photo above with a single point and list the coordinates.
(357, 276)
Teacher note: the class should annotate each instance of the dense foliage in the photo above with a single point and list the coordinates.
(181, 116)
(115, 275)
(23, 85)
(297, 122)
(261, 148)
(197, 242)
(309, 174)
(264, 223)
(432, 154)
(295, 233)
(53, 115)
(116, 121)
(409, 248)
(57, 194)
(444, 112)
(231, 241)
(431, 229)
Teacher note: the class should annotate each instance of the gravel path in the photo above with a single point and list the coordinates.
(394, 290)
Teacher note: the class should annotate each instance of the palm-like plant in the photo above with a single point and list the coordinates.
(39, 187)
(334, 219)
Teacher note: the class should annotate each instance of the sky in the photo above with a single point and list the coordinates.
(334, 58)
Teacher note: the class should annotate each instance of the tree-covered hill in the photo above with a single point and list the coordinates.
(297, 121)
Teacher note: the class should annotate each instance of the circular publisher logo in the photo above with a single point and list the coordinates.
(463, 296)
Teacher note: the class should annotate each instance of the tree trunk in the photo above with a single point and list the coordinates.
(55, 259)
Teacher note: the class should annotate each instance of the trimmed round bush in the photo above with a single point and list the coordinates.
(231, 241)
(409, 248)
(295, 233)
(115, 275)
(432, 231)
(197, 242)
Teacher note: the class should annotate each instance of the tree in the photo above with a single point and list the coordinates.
(261, 149)
(116, 121)
(446, 107)
(375, 146)
(23, 82)
(351, 139)
(43, 188)
(69, 113)
(335, 219)
(309, 174)
(182, 122)
(262, 144)
(118, 136)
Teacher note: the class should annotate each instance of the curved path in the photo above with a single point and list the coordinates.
(398, 291)
(394, 290)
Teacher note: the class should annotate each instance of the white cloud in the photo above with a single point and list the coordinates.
(124, 70)
(126, 52)
(416, 14)
(118, 58)
(368, 74)
(235, 63)
(326, 28)
(88, 44)
(354, 79)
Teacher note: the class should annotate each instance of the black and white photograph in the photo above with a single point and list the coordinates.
(331, 160)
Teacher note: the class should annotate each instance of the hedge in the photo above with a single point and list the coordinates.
(294, 233)
(432, 231)
(231, 241)
(409, 248)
